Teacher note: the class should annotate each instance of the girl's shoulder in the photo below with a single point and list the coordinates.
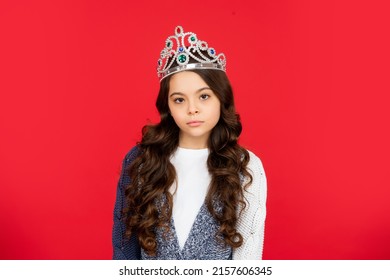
(132, 154)
(255, 162)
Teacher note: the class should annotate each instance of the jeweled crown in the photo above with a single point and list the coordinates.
(188, 52)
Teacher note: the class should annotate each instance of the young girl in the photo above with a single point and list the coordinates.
(188, 190)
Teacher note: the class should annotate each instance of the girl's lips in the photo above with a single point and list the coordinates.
(194, 123)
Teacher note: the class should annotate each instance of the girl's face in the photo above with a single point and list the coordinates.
(194, 107)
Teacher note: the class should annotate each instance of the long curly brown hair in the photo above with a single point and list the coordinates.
(152, 173)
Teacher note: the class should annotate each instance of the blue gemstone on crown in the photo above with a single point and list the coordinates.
(181, 49)
(211, 52)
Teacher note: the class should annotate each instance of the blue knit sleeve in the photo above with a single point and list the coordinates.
(124, 249)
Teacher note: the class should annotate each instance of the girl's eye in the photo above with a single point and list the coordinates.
(178, 100)
(204, 96)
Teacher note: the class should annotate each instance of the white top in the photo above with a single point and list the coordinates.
(193, 181)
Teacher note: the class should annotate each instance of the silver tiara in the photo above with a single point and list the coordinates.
(180, 48)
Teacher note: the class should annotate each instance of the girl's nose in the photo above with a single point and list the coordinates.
(192, 109)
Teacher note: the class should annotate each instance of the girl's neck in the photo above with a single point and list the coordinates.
(194, 144)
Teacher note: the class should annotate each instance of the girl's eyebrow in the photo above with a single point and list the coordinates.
(182, 94)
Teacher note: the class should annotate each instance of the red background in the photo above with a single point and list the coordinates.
(78, 82)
